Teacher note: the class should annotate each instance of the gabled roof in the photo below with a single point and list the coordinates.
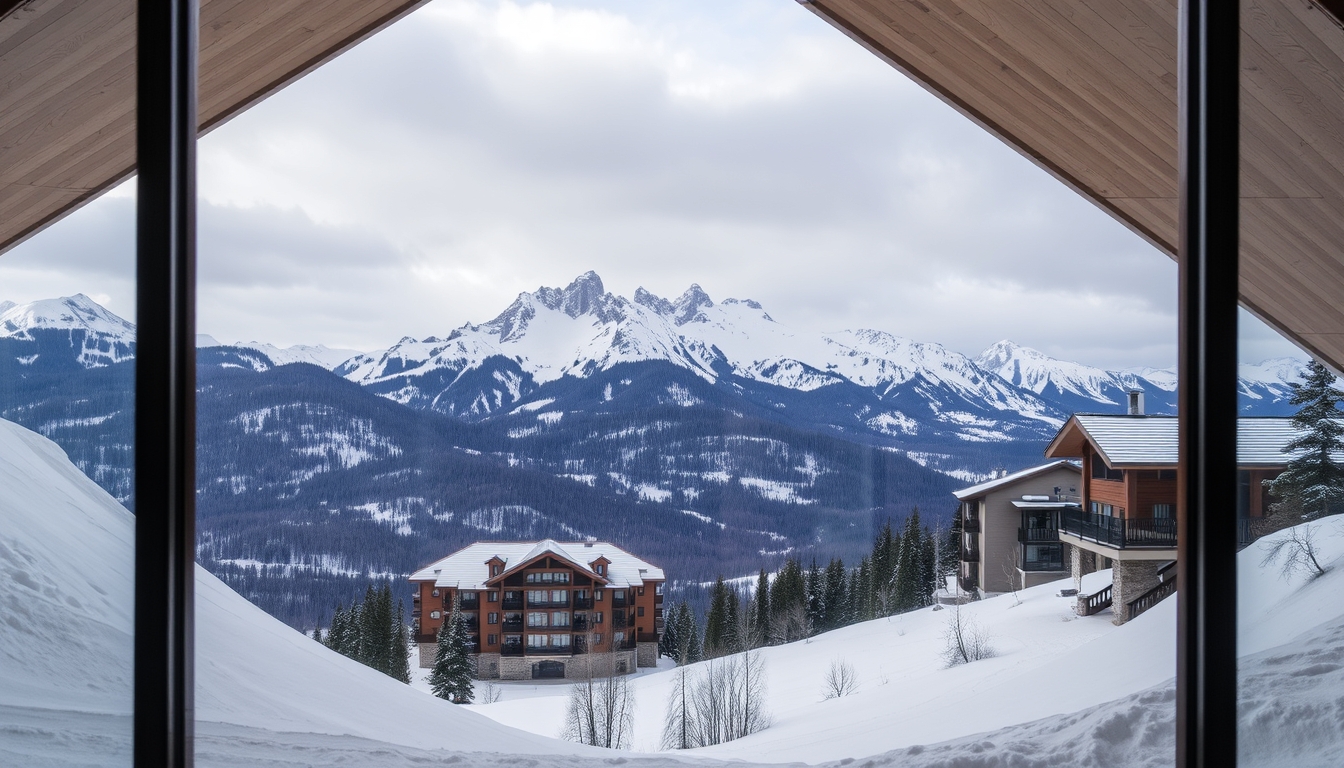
(467, 569)
(1015, 477)
(546, 548)
(1151, 441)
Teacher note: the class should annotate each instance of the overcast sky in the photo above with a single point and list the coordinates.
(479, 148)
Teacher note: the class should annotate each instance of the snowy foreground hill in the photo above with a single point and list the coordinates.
(267, 695)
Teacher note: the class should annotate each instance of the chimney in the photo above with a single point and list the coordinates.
(1136, 402)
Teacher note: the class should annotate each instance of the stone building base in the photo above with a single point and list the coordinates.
(1129, 579)
(1083, 562)
(646, 654)
(427, 653)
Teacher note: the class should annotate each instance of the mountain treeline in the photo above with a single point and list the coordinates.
(902, 572)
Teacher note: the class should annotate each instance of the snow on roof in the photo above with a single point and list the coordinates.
(1152, 440)
(1021, 474)
(467, 569)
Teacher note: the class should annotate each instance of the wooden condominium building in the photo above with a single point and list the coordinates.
(541, 609)
(1121, 516)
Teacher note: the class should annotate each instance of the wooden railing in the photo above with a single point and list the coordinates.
(1097, 602)
(1157, 594)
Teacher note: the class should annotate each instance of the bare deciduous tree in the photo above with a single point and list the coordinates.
(840, 680)
(1010, 571)
(1297, 549)
(490, 692)
(601, 706)
(718, 700)
(965, 641)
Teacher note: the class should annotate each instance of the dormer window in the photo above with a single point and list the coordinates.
(601, 570)
(494, 570)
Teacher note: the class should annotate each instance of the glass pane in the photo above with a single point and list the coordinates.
(67, 378)
(1290, 484)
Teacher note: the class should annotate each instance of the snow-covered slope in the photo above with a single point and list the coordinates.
(1099, 694)
(65, 646)
(1039, 372)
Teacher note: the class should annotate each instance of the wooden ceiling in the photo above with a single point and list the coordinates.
(67, 85)
(1087, 90)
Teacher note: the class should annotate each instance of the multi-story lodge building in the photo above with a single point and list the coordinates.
(1122, 518)
(537, 609)
(1009, 536)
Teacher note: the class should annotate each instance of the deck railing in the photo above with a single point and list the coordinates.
(1119, 532)
(1097, 602)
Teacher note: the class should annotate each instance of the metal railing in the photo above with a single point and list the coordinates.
(970, 525)
(1037, 535)
(581, 603)
(1119, 532)
(970, 554)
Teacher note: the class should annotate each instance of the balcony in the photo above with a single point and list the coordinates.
(549, 650)
(648, 637)
(1037, 535)
(580, 624)
(516, 604)
(970, 525)
(548, 603)
(617, 603)
(970, 554)
(583, 603)
(470, 605)
(513, 625)
(1119, 532)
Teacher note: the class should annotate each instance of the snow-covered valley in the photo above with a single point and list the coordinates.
(1060, 691)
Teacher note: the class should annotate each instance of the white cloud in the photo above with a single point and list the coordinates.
(479, 148)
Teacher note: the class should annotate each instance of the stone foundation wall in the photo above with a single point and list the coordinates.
(1082, 562)
(487, 666)
(427, 653)
(646, 654)
(515, 668)
(1130, 578)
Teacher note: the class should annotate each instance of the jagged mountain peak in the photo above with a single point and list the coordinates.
(5, 306)
(687, 307)
(68, 313)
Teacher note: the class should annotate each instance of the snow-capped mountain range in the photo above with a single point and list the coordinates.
(582, 330)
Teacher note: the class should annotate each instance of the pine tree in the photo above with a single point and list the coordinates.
(761, 619)
(861, 592)
(909, 570)
(317, 631)
(690, 633)
(400, 651)
(732, 635)
(816, 599)
(716, 621)
(670, 641)
(949, 554)
(833, 595)
(1312, 485)
(886, 551)
(451, 676)
(928, 566)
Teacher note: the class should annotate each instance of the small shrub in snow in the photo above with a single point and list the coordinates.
(964, 640)
(841, 680)
(1297, 548)
(490, 693)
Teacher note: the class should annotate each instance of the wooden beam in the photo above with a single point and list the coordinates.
(67, 98)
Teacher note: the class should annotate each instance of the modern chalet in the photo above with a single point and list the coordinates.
(1123, 518)
(541, 609)
(1010, 536)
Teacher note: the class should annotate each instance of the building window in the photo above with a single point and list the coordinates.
(658, 588)
(493, 619)
(494, 570)
(559, 641)
(601, 570)
(537, 619)
(640, 610)
(537, 641)
(597, 617)
(618, 594)
(492, 597)
(597, 638)
(597, 594)
(1166, 474)
(560, 619)
(1100, 471)
(617, 637)
(1043, 557)
(492, 639)
(434, 614)
(1103, 509)
(1162, 511)
(641, 591)
(435, 593)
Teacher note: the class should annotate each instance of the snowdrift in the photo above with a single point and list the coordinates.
(66, 601)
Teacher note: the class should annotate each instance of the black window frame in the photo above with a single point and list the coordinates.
(165, 391)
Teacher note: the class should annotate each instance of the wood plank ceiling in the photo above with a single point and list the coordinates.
(67, 85)
(1087, 89)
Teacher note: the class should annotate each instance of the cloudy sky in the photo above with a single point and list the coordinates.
(480, 148)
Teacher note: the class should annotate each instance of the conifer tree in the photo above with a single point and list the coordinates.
(833, 595)
(949, 553)
(788, 604)
(886, 550)
(909, 570)
(317, 631)
(690, 634)
(861, 592)
(451, 676)
(732, 639)
(670, 641)
(816, 599)
(716, 621)
(761, 619)
(1312, 485)
(400, 651)
(928, 566)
